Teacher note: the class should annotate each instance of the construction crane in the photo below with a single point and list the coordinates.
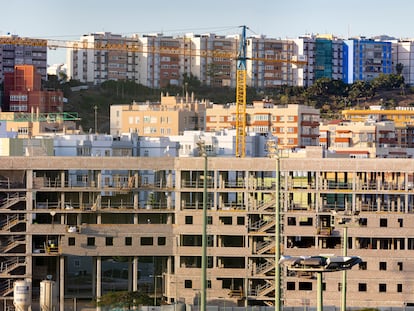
(241, 97)
(133, 46)
(241, 73)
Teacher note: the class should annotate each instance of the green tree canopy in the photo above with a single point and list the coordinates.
(123, 299)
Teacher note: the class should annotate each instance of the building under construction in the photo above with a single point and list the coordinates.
(100, 224)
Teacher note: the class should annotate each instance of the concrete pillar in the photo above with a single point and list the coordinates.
(135, 273)
(62, 283)
(98, 278)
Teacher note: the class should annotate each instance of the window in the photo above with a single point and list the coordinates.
(382, 288)
(400, 266)
(209, 220)
(400, 221)
(188, 220)
(109, 241)
(383, 265)
(363, 265)
(291, 221)
(161, 240)
(147, 241)
(226, 220)
(91, 241)
(383, 222)
(305, 285)
(305, 221)
(128, 241)
(71, 241)
(240, 221)
(188, 284)
(399, 288)
(208, 283)
(362, 287)
(290, 286)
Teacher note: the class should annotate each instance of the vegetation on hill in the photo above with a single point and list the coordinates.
(330, 96)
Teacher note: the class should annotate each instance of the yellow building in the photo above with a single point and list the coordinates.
(27, 125)
(402, 116)
(172, 116)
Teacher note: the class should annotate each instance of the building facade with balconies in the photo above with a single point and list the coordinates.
(93, 223)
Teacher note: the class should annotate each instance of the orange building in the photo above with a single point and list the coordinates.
(23, 92)
(294, 125)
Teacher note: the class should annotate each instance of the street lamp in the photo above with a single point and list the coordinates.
(202, 151)
(319, 265)
(53, 213)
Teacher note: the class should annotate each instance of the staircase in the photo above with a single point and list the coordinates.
(12, 263)
(11, 200)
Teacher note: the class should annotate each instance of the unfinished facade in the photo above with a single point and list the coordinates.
(99, 224)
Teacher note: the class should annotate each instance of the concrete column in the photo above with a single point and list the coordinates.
(62, 283)
(98, 278)
(30, 200)
(62, 194)
(135, 273)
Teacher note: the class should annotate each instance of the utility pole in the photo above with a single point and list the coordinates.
(96, 119)
(203, 153)
(273, 151)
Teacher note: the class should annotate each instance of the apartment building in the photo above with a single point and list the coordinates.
(216, 65)
(28, 125)
(23, 92)
(269, 63)
(171, 116)
(159, 62)
(103, 56)
(65, 217)
(365, 59)
(367, 139)
(15, 50)
(324, 55)
(402, 53)
(294, 125)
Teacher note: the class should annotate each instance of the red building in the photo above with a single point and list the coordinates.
(23, 92)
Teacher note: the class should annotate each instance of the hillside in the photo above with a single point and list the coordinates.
(330, 103)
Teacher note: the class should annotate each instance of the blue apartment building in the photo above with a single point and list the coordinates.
(366, 59)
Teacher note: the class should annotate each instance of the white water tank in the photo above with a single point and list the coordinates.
(22, 295)
(48, 295)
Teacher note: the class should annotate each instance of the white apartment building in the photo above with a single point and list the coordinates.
(403, 53)
(91, 61)
(277, 69)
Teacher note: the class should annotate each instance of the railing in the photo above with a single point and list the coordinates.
(262, 290)
(11, 221)
(11, 200)
(261, 224)
(196, 184)
(11, 264)
(262, 247)
(265, 267)
(6, 287)
(11, 243)
(263, 205)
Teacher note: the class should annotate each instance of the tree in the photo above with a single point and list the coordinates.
(191, 81)
(360, 89)
(123, 299)
(399, 68)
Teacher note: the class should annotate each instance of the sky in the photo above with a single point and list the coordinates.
(69, 20)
